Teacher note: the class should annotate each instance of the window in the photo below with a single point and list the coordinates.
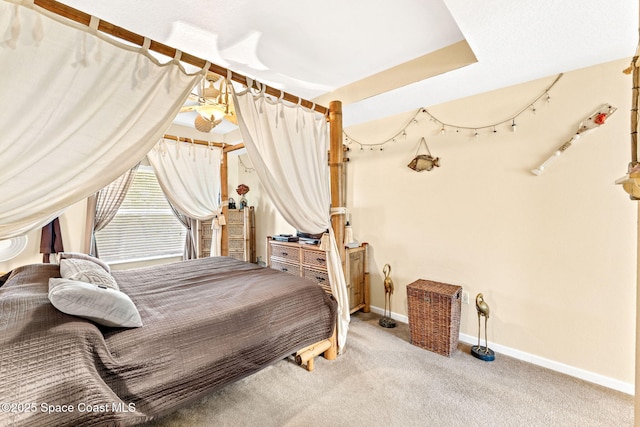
(144, 227)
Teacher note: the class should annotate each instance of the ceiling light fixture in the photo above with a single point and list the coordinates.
(214, 104)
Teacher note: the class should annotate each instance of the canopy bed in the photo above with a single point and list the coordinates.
(220, 320)
(182, 344)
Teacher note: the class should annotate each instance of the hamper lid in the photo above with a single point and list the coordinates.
(437, 287)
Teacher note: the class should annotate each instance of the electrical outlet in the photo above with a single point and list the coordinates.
(465, 297)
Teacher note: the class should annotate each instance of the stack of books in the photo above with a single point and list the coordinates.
(285, 238)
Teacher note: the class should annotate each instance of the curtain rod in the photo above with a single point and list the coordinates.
(124, 34)
(225, 147)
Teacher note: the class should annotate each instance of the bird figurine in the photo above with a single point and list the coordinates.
(388, 283)
(483, 310)
(387, 321)
(484, 353)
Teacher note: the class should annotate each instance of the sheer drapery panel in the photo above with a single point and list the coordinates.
(288, 147)
(189, 175)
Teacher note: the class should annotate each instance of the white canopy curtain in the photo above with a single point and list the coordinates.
(189, 175)
(79, 109)
(288, 147)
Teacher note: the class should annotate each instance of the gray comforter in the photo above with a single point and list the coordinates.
(207, 323)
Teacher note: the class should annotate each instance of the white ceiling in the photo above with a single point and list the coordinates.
(310, 48)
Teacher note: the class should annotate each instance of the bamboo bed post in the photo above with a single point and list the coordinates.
(336, 165)
(224, 195)
(635, 78)
(367, 278)
(332, 352)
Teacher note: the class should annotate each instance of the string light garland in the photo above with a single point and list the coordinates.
(401, 134)
(247, 169)
(443, 126)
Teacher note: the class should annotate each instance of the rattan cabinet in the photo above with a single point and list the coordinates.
(310, 262)
(240, 236)
(204, 238)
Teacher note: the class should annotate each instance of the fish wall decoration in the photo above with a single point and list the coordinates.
(423, 162)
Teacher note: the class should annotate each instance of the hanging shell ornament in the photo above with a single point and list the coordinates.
(204, 124)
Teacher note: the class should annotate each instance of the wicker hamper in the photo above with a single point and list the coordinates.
(434, 315)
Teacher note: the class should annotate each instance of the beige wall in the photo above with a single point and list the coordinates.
(554, 255)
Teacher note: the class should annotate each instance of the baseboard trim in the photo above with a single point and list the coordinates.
(395, 316)
(537, 360)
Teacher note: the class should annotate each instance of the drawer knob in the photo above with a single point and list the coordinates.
(285, 253)
(320, 259)
(320, 278)
(285, 269)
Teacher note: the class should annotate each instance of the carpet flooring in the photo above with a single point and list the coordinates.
(383, 380)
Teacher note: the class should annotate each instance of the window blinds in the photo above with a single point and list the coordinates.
(144, 227)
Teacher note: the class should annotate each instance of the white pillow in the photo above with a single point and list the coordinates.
(96, 277)
(71, 266)
(80, 255)
(103, 305)
(83, 270)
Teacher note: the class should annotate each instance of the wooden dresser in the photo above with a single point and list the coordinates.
(310, 262)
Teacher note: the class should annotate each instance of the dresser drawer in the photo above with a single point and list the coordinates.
(292, 269)
(235, 216)
(236, 245)
(320, 277)
(317, 259)
(205, 230)
(206, 244)
(286, 252)
(235, 231)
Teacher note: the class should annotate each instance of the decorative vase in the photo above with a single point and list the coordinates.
(242, 190)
